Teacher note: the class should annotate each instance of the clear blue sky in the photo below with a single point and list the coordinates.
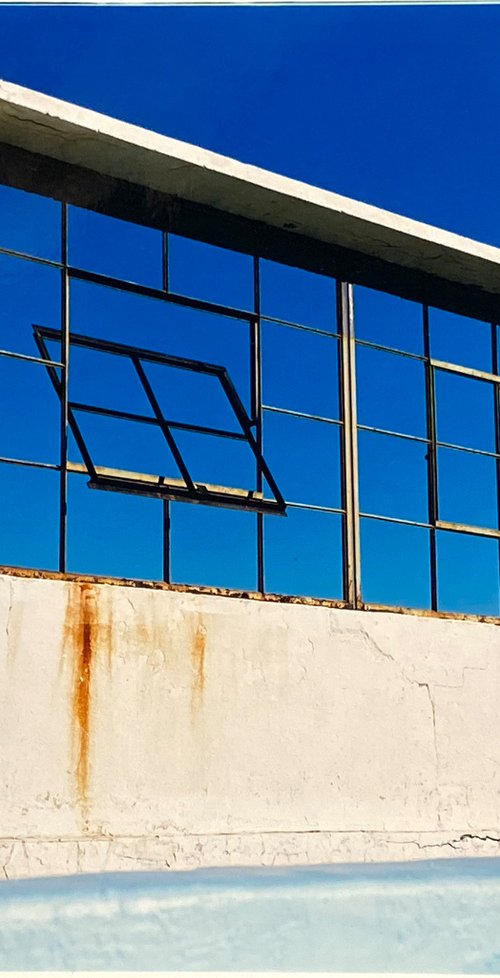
(398, 107)
(395, 106)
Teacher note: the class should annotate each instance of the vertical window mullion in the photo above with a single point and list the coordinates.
(494, 356)
(166, 516)
(432, 475)
(256, 411)
(63, 500)
(350, 479)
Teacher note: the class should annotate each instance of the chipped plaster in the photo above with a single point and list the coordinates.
(223, 731)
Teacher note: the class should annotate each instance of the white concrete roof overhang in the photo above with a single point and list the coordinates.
(73, 153)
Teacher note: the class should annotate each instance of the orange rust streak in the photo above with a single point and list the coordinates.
(198, 658)
(81, 630)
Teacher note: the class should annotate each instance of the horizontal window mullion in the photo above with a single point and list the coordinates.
(146, 419)
(4, 460)
(395, 519)
(470, 451)
(301, 326)
(476, 531)
(391, 349)
(312, 506)
(454, 368)
(301, 414)
(12, 253)
(150, 292)
(394, 434)
(25, 356)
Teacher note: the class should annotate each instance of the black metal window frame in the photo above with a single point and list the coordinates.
(433, 444)
(185, 489)
(344, 315)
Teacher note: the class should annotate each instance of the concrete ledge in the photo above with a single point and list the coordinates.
(436, 917)
(80, 137)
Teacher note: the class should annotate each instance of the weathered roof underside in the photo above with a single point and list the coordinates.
(72, 135)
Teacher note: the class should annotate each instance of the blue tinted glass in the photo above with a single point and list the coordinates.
(215, 547)
(218, 461)
(30, 223)
(112, 534)
(395, 564)
(191, 398)
(29, 412)
(388, 320)
(467, 486)
(392, 476)
(29, 294)
(304, 458)
(303, 553)
(391, 392)
(458, 339)
(117, 248)
(127, 445)
(467, 573)
(163, 328)
(105, 380)
(29, 517)
(298, 296)
(465, 411)
(203, 271)
(300, 370)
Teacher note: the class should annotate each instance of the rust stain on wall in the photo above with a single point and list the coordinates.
(198, 651)
(13, 631)
(88, 629)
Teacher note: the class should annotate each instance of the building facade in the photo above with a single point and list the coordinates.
(302, 666)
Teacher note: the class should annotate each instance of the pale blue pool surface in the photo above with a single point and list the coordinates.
(440, 916)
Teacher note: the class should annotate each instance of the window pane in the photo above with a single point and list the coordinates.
(29, 294)
(30, 223)
(127, 445)
(303, 554)
(29, 517)
(29, 412)
(106, 380)
(191, 398)
(117, 248)
(214, 547)
(300, 370)
(219, 461)
(157, 325)
(304, 458)
(391, 392)
(392, 476)
(395, 564)
(467, 573)
(112, 534)
(203, 271)
(459, 339)
(465, 411)
(388, 320)
(467, 488)
(298, 296)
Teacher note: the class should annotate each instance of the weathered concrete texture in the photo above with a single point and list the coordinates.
(143, 729)
(56, 857)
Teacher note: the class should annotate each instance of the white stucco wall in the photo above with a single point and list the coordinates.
(148, 728)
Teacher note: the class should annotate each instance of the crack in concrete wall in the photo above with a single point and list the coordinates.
(237, 732)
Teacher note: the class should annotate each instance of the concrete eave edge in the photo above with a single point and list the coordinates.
(71, 134)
